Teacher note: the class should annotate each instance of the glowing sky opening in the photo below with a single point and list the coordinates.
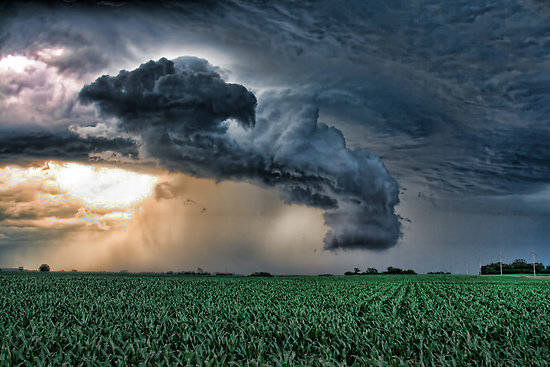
(98, 197)
(101, 186)
(15, 63)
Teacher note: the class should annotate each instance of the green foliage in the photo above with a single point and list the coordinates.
(112, 319)
(374, 271)
(518, 266)
(392, 270)
(261, 274)
(44, 267)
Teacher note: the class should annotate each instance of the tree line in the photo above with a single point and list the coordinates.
(518, 266)
(374, 271)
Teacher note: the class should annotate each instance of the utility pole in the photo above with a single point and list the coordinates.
(534, 260)
(479, 264)
(500, 261)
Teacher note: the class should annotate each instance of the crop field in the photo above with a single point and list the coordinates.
(71, 319)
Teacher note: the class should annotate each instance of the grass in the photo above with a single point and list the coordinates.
(320, 321)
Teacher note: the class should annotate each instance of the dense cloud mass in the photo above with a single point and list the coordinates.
(452, 96)
(189, 119)
(28, 144)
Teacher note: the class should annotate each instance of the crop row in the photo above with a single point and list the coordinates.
(394, 320)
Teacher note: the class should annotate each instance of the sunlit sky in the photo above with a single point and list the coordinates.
(292, 138)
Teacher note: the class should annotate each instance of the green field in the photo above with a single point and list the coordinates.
(55, 318)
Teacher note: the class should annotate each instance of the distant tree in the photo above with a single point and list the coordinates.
(493, 268)
(44, 267)
(392, 270)
(356, 271)
(518, 266)
(202, 273)
(372, 271)
(261, 274)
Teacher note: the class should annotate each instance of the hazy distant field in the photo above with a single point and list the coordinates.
(376, 320)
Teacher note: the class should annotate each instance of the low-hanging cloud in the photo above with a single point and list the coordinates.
(188, 118)
(26, 144)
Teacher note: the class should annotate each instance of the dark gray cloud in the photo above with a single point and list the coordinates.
(452, 96)
(181, 111)
(447, 95)
(31, 27)
(26, 144)
(194, 98)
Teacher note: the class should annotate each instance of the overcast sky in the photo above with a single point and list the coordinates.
(291, 137)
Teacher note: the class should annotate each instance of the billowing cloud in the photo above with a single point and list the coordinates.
(446, 97)
(453, 97)
(190, 120)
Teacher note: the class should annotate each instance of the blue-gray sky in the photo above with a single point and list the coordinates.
(294, 137)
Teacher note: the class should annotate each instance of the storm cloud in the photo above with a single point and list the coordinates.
(190, 120)
(27, 144)
(449, 96)
(453, 97)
